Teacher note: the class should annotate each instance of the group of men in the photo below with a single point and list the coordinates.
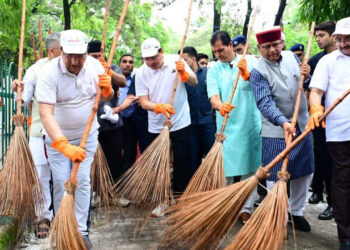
(135, 103)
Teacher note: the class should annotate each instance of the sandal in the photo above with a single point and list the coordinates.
(42, 228)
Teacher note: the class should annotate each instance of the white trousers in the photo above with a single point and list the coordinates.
(297, 193)
(248, 206)
(61, 168)
(36, 146)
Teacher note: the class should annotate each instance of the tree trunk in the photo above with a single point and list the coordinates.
(66, 11)
(280, 11)
(247, 17)
(217, 15)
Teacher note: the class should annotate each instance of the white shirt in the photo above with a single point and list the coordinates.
(73, 96)
(158, 85)
(332, 76)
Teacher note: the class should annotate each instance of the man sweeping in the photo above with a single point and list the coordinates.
(66, 92)
(330, 79)
(242, 146)
(154, 83)
(275, 85)
(36, 142)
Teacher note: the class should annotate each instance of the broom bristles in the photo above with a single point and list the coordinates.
(210, 174)
(204, 218)
(20, 189)
(147, 182)
(267, 228)
(64, 233)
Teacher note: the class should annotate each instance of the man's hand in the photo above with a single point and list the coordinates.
(226, 108)
(16, 84)
(305, 70)
(316, 111)
(75, 153)
(180, 67)
(105, 66)
(288, 129)
(105, 82)
(242, 66)
(165, 109)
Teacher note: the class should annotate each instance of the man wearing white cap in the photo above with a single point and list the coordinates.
(331, 78)
(154, 82)
(66, 92)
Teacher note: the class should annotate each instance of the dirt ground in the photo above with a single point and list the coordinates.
(118, 232)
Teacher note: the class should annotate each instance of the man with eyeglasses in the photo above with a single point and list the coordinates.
(66, 93)
(275, 81)
(154, 83)
(331, 79)
(242, 146)
(202, 60)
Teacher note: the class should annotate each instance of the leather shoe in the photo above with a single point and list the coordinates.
(245, 217)
(345, 245)
(315, 198)
(300, 223)
(326, 214)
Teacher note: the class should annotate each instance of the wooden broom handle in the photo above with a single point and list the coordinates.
(181, 52)
(41, 39)
(33, 45)
(289, 147)
(20, 58)
(238, 74)
(98, 95)
(103, 41)
(300, 92)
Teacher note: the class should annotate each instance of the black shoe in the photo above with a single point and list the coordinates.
(259, 200)
(315, 198)
(326, 214)
(87, 242)
(345, 245)
(300, 223)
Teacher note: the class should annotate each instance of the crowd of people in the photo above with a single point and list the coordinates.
(135, 103)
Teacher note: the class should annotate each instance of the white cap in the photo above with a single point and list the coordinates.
(150, 47)
(73, 42)
(342, 27)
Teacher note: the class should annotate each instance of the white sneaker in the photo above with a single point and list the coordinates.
(160, 210)
(123, 202)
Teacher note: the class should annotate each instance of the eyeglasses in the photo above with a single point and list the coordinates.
(268, 46)
(153, 58)
(345, 40)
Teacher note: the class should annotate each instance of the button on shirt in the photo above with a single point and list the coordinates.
(332, 76)
(200, 107)
(73, 96)
(157, 85)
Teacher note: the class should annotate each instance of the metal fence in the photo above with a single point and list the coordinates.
(8, 72)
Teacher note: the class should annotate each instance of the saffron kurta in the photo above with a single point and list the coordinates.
(242, 146)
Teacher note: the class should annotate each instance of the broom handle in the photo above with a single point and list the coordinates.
(33, 45)
(41, 40)
(98, 95)
(181, 51)
(238, 74)
(289, 147)
(20, 58)
(300, 91)
(105, 29)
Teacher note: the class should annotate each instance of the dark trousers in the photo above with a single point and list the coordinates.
(340, 153)
(111, 142)
(323, 165)
(180, 146)
(202, 137)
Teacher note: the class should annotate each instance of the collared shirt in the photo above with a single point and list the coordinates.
(158, 85)
(200, 107)
(72, 95)
(332, 76)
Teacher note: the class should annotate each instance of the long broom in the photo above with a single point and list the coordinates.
(204, 218)
(64, 232)
(36, 56)
(41, 40)
(210, 174)
(147, 182)
(20, 190)
(268, 223)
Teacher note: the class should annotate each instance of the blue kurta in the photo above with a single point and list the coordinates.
(242, 146)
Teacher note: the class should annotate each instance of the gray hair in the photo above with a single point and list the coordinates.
(52, 40)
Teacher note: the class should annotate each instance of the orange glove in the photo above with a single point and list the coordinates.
(29, 122)
(226, 108)
(105, 66)
(105, 82)
(75, 153)
(180, 67)
(242, 66)
(316, 111)
(165, 109)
